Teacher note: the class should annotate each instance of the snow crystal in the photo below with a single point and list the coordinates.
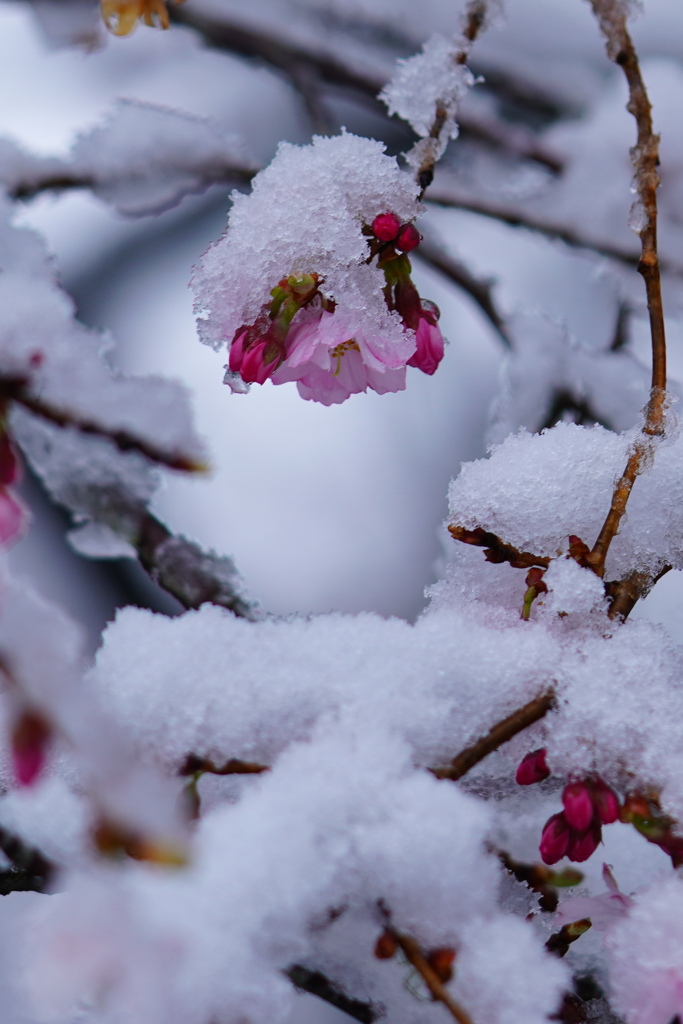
(535, 490)
(305, 215)
(429, 81)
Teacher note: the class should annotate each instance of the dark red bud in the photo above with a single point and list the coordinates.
(584, 844)
(386, 226)
(441, 962)
(408, 238)
(386, 946)
(555, 839)
(532, 768)
(578, 805)
(606, 802)
(30, 738)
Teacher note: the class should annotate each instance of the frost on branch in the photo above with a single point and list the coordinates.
(433, 80)
(145, 157)
(293, 288)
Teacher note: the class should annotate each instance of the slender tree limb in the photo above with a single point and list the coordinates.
(319, 985)
(435, 143)
(31, 870)
(497, 551)
(415, 957)
(517, 217)
(234, 766)
(17, 389)
(480, 290)
(191, 575)
(645, 156)
(297, 58)
(500, 733)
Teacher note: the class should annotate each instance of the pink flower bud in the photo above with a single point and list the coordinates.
(408, 238)
(30, 737)
(254, 369)
(555, 839)
(386, 227)
(583, 845)
(430, 346)
(578, 805)
(532, 768)
(606, 802)
(237, 349)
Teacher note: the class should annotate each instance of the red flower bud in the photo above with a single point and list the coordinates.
(386, 227)
(555, 839)
(578, 805)
(583, 845)
(441, 962)
(386, 945)
(408, 238)
(30, 737)
(9, 461)
(532, 768)
(606, 802)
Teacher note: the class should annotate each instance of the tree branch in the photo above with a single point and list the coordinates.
(478, 289)
(319, 985)
(500, 733)
(17, 389)
(415, 957)
(645, 156)
(497, 551)
(234, 766)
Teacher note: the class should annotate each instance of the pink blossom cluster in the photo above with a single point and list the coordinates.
(301, 335)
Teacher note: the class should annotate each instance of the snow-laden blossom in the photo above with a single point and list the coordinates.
(337, 218)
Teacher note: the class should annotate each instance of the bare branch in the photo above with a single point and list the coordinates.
(517, 217)
(478, 289)
(415, 957)
(497, 551)
(319, 985)
(645, 156)
(191, 575)
(500, 733)
(234, 766)
(435, 143)
(17, 389)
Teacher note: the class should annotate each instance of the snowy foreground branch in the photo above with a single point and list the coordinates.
(229, 807)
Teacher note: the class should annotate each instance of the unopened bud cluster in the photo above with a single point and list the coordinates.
(576, 831)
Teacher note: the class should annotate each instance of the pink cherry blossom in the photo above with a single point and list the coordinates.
(329, 365)
(555, 839)
(578, 805)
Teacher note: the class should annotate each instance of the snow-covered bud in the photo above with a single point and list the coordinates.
(578, 805)
(408, 238)
(386, 226)
(30, 738)
(532, 768)
(555, 839)
(441, 962)
(606, 802)
(583, 845)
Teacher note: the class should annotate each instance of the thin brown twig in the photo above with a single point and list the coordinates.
(478, 289)
(17, 389)
(500, 733)
(233, 766)
(318, 984)
(516, 217)
(645, 156)
(415, 957)
(434, 144)
(496, 550)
